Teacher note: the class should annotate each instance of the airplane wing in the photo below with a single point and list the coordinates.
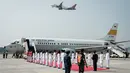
(123, 41)
(86, 49)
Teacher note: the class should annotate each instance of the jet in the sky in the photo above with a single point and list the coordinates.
(61, 7)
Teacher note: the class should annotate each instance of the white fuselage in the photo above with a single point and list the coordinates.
(58, 44)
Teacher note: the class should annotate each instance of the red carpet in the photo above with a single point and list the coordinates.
(76, 68)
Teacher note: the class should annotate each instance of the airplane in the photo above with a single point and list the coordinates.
(50, 44)
(61, 7)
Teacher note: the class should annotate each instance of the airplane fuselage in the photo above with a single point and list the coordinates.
(58, 44)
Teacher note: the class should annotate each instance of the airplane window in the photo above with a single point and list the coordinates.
(10, 46)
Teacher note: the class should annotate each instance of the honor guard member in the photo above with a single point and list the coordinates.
(33, 57)
(43, 57)
(58, 60)
(81, 61)
(101, 59)
(107, 59)
(95, 59)
(67, 62)
(85, 56)
(46, 56)
(89, 59)
(62, 59)
(76, 54)
(38, 57)
(72, 57)
(50, 58)
(54, 59)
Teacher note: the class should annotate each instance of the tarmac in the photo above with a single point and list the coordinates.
(11, 65)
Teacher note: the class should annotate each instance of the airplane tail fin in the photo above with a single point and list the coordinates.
(74, 6)
(111, 36)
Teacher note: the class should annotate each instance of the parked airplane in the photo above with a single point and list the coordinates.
(39, 44)
(61, 7)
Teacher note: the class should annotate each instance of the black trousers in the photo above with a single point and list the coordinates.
(81, 68)
(3, 55)
(6, 55)
(67, 69)
(95, 65)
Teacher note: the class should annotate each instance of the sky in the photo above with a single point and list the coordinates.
(92, 19)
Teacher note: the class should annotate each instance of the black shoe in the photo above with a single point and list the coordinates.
(108, 68)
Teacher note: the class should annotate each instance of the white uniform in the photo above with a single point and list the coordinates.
(33, 57)
(54, 59)
(101, 60)
(50, 59)
(76, 57)
(72, 58)
(40, 57)
(85, 56)
(46, 55)
(43, 58)
(89, 59)
(58, 60)
(107, 60)
(62, 59)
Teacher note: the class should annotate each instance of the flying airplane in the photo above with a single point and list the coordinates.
(61, 7)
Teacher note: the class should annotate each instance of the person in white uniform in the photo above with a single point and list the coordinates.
(107, 59)
(62, 59)
(101, 57)
(58, 60)
(85, 56)
(43, 57)
(54, 59)
(89, 59)
(72, 58)
(33, 57)
(50, 58)
(36, 57)
(40, 57)
(76, 54)
(46, 57)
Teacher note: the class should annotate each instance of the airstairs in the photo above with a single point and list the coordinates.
(117, 50)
